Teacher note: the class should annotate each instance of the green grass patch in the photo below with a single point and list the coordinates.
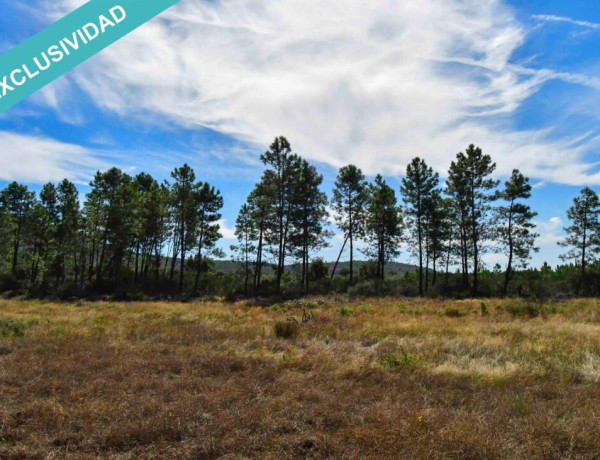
(403, 360)
(345, 311)
(14, 328)
(456, 313)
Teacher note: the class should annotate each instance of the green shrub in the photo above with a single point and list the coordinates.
(397, 362)
(344, 311)
(318, 270)
(286, 329)
(369, 288)
(484, 309)
(529, 309)
(14, 328)
(456, 313)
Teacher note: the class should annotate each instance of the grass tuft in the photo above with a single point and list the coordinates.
(401, 361)
(286, 329)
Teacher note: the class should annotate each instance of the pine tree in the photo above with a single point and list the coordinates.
(18, 202)
(350, 197)
(516, 226)
(49, 254)
(93, 217)
(310, 212)
(113, 195)
(470, 184)
(68, 227)
(456, 188)
(280, 180)
(383, 225)
(183, 192)
(208, 204)
(151, 218)
(438, 231)
(417, 188)
(39, 236)
(583, 235)
(246, 233)
(259, 202)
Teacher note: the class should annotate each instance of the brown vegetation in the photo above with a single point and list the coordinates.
(361, 379)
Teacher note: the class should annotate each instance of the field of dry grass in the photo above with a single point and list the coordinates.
(362, 379)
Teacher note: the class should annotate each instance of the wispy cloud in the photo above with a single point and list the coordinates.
(347, 82)
(38, 159)
(552, 18)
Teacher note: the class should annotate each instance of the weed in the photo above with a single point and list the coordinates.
(484, 309)
(14, 328)
(286, 329)
(395, 362)
(530, 309)
(455, 313)
(345, 311)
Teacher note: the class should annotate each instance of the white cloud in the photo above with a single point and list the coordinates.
(552, 18)
(373, 83)
(227, 231)
(551, 231)
(39, 159)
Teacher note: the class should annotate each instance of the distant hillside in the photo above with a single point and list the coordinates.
(391, 267)
(227, 266)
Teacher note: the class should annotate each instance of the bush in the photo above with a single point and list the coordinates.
(396, 362)
(14, 328)
(456, 313)
(484, 309)
(371, 288)
(318, 270)
(524, 309)
(344, 311)
(286, 329)
(368, 271)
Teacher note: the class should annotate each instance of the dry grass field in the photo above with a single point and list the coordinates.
(362, 379)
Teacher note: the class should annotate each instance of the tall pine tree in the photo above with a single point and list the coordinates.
(516, 227)
(350, 198)
(383, 225)
(416, 190)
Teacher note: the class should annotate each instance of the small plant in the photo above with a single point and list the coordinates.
(397, 362)
(287, 357)
(456, 313)
(344, 311)
(484, 309)
(12, 328)
(530, 309)
(286, 329)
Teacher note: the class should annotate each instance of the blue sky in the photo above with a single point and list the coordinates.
(212, 82)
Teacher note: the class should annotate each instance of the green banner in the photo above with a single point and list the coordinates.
(70, 41)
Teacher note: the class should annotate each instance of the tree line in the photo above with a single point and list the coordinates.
(135, 234)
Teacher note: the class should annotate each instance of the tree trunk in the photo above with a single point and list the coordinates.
(420, 238)
(246, 267)
(475, 236)
(339, 257)
(16, 245)
(351, 236)
(510, 250)
(258, 268)
(137, 256)
(182, 262)
(427, 270)
(200, 247)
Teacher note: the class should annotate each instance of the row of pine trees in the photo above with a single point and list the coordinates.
(139, 232)
(286, 212)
